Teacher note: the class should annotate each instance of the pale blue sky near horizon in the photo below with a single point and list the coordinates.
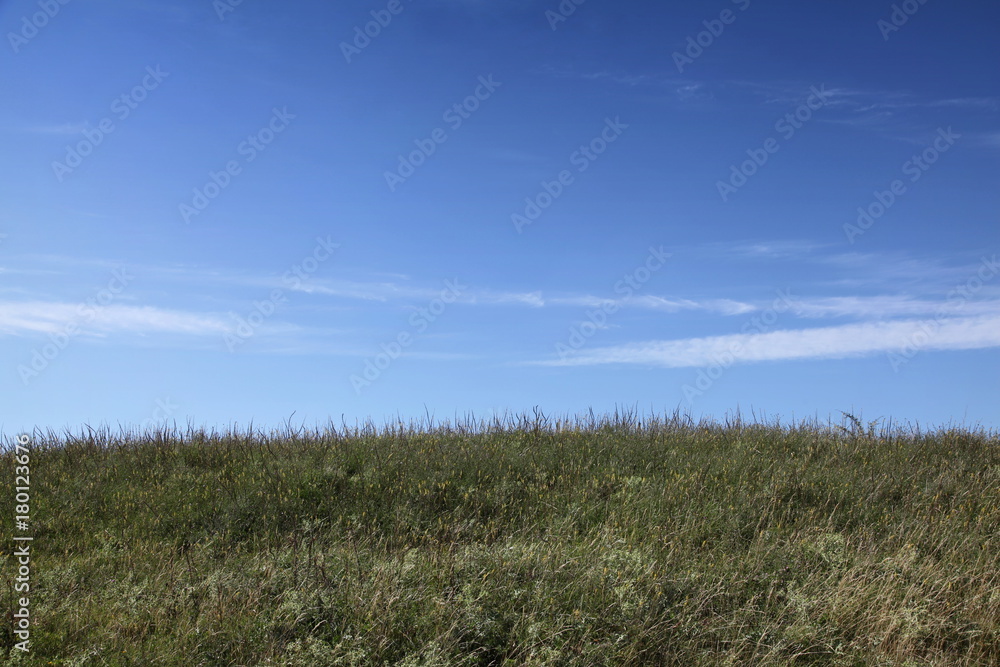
(217, 213)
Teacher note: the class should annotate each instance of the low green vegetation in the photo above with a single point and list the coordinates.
(609, 541)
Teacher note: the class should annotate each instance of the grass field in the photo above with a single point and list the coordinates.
(600, 541)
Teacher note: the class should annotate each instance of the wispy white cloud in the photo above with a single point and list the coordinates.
(851, 340)
(532, 299)
(643, 301)
(897, 269)
(886, 307)
(535, 299)
(897, 114)
(718, 306)
(778, 249)
(927, 284)
(873, 270)
(54, 317)
(881, 307)
(863, 101)
(386, 291)
(684, 88)
(371, 291)
(988, 103)
(760, 250)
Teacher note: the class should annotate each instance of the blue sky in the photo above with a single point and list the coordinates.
(216, 212)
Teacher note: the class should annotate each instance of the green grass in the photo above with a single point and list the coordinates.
(612, 541)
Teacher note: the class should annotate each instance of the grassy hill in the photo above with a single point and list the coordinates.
(610, 541)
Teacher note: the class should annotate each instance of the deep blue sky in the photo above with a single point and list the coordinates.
(125, 294)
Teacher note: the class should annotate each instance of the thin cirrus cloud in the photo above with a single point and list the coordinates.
(657, 303)
(385, 291)
(884, 307)
(42, 317)
(850, 340)
(889, 112)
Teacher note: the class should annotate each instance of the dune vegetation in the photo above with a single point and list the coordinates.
(615, 540)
